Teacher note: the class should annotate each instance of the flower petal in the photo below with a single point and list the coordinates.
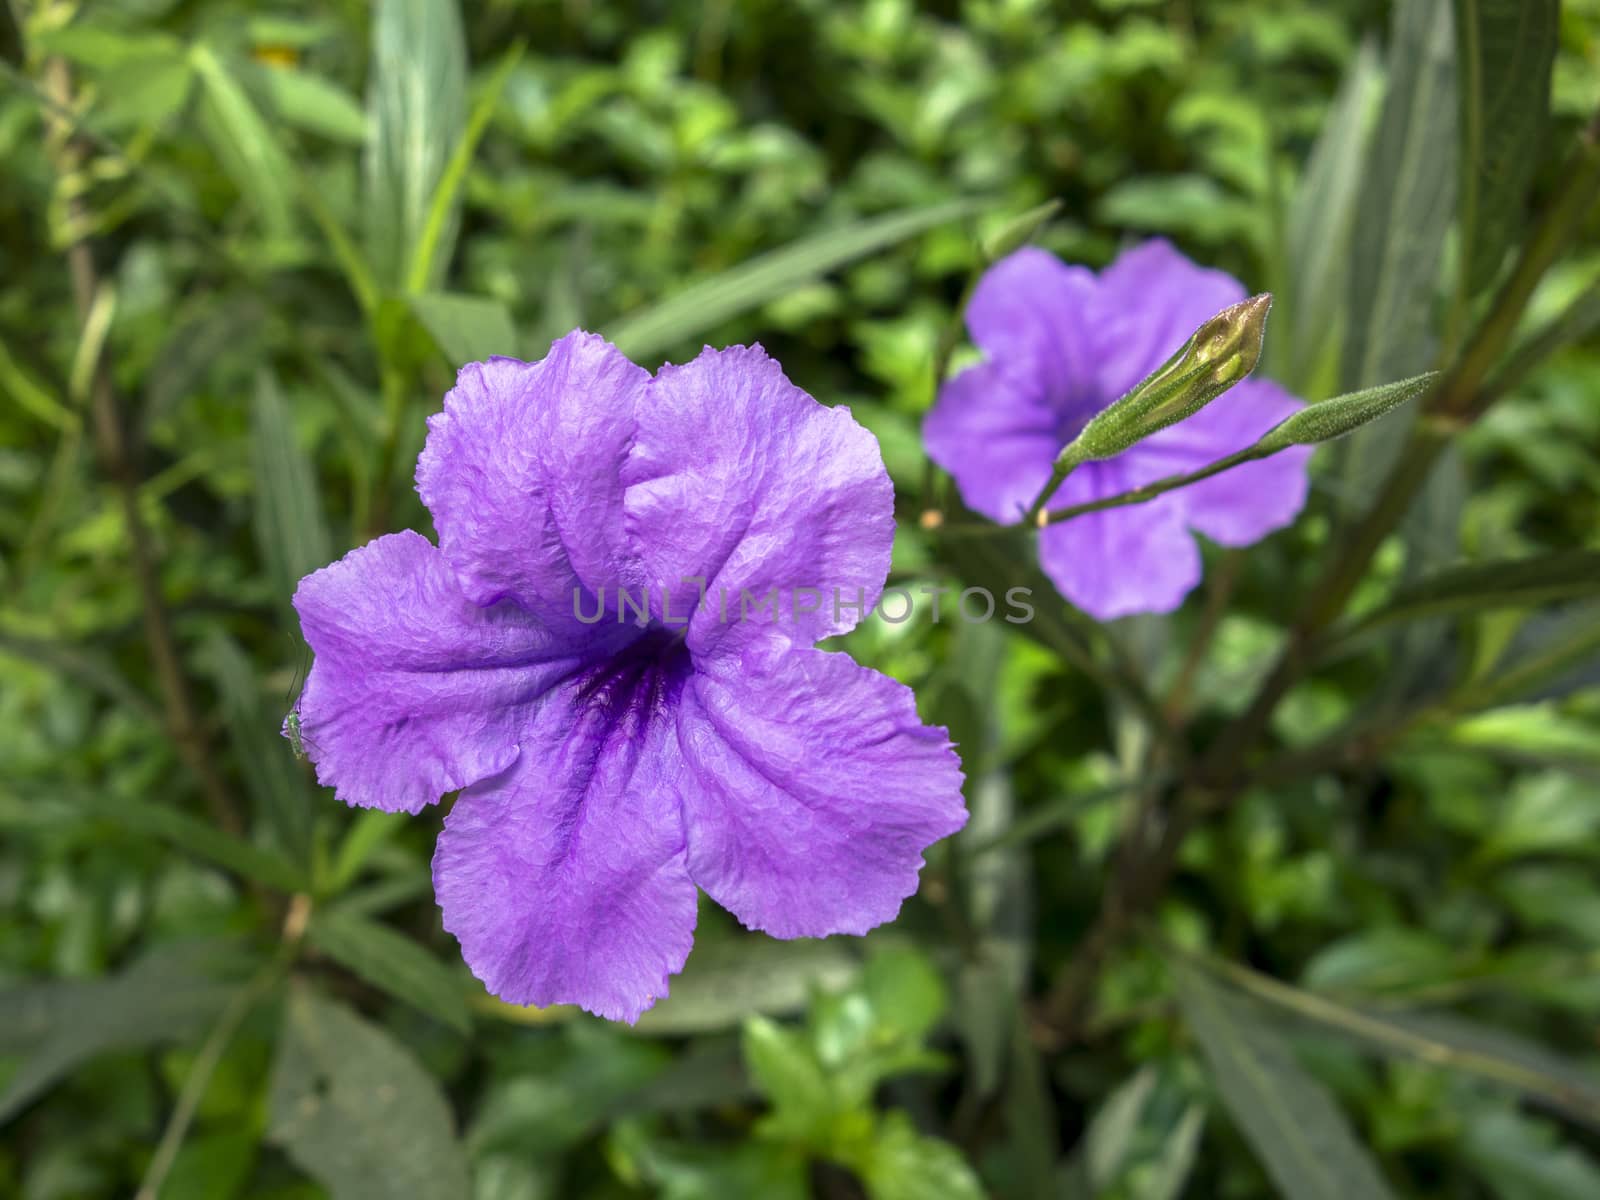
(564, 879)
(1033, 312)
(996, 434)
(740, 478)
(415, 690)
(1147, 304)
(1243, 505)
(1138, 558)
(816, 790)
(522, 472)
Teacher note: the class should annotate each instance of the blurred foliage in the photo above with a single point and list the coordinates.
(242, 248)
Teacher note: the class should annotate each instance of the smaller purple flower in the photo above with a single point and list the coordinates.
(1060, 344)
(608, 767)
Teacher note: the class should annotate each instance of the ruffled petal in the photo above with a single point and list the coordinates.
(1138, 558)
(564, 879)
(1147, 303)
(415, 690)
(1032, 312)
(816, 790)
(1243, 505)
(523, 474)
(740, 479)
(996, 433)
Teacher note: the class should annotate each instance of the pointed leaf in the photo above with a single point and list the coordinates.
(1506, 50)
(1288, 1117)
(244, 143)
(357, 1112)
(393, 962)
(291, 531)
(467, 328)
(416, 108)
(703, 306)
(1498, 583)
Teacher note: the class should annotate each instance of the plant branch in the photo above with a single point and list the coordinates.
(117, 461)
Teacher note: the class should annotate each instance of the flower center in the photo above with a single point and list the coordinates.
(638, 681)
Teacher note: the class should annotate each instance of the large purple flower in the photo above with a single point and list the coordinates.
(1062, 343)
(609, 766)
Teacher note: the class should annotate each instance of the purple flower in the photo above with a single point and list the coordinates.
(608, 767)
(1062, 343)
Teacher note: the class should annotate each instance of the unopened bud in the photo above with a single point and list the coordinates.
(1220, 353)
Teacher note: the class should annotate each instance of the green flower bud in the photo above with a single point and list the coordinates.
(1218, 355)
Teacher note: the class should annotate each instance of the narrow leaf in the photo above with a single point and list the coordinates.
(60, 1025)
(244, 143)
(1499, 583)
(393, 962)
(1407, 196)
(1506, 50)
(314, 104)
(416, 108)
(198, 838)
(291, 532)
(467, 328)
(1330, 419)
(357, 1112)
(1288, 1117)
(704, 305)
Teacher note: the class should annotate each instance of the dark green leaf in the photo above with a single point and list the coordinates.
(290, 529)
(393, 962)
(1288, 1117)
(197, 838)
(703, 306)
(357, 1112)
(467, 328)
(416, 109)
(1521, 1158)
(1407, 196)
(1505, 52)
(60, 1025)
(1501, 583)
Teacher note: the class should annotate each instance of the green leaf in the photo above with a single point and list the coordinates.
(1407, 196)
(416, 106)
(1505, 50)
(1521, 1158)
(431, 253)
(291, 531)
(59, 1025)
(727, 981)
(1109, 1138)
(357, 1112)
(393, 962)
(244, 143)
(1533, 733)
(1498, 583)
(789, 1075)
(1287, 1116)
(314, 104)
(275, 781)
(1330, 419)
(906, 993)
(467, 328)
(198, 838)
(1322, 220)
(705, 305)
(901, 1164)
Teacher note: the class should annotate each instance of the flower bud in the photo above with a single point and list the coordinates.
(1218, 355)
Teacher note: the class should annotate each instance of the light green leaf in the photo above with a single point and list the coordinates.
(357, 1112)
(1289, 1119)
(789, 1075)
(393, 962)
(275, 781)
(903, 1165)
(1322, 221)
(724, 982)
(244, 143)
(1498, 583)
(1505, 50)
(1407, 197)
(1534, 733)
(906, 993)
(57, 1026)
(416, 109)
(705, 305)
(314, 104)
(291, 532)
(1109, 1138)
(1519, 1157)
(467, 328)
